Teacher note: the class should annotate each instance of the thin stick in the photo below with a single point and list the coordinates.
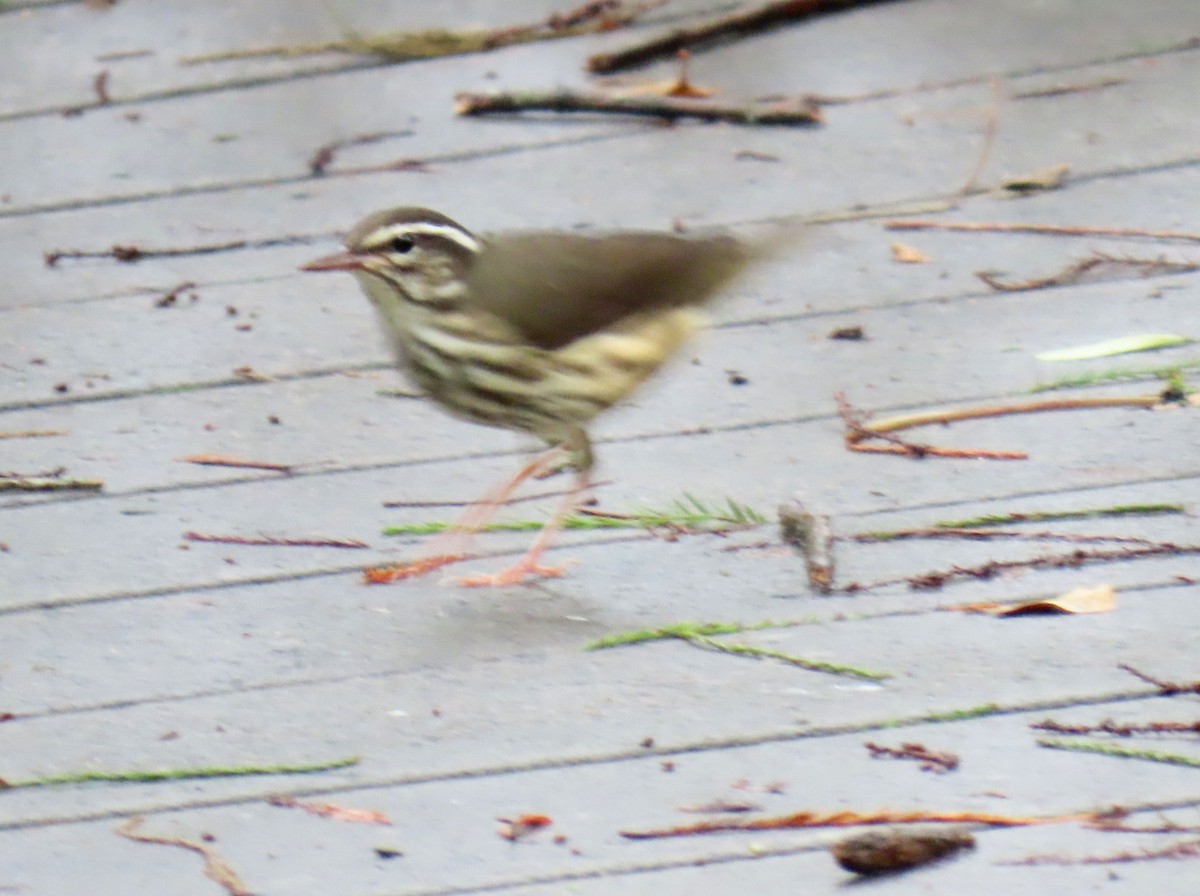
(215, 867)
(736, 24)
(935, 579)
(181, 774)
(320, 160)
(32, 433)
(1096, 263)
(220, 460)
(272, 541)
(1043, 229)
(802, 111)
(48, 484)
(845, 818)
(131, 253)
(973, 534)
(859, 430)
(908, 421)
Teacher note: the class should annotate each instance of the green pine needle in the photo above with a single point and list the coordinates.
(689, 514)
(180, 774)
(685, 631)
(1042, 516)
(1124, 375)
(1084, 746)
(700, 634)
(792, 660)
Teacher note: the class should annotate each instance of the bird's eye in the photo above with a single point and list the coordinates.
(402, 244)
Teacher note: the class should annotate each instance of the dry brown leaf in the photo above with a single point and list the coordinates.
(522, 826)
(686, 89)
(248, 373)
(1044, 179)
(906, 254)
(676, 87)
(1101, 599)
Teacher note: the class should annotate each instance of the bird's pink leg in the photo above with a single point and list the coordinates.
(529, 563)
(454, 544)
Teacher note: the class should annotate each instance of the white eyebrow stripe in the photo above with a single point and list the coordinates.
(454, 234)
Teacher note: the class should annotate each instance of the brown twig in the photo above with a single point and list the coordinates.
(54, 473)
(1188, 849)
(171, 296)
(721, 806)
(215, 867)
(270, 541)
(48, 484)
(931, 760)
(991, 535)
(844, 819)
(1112, 823)
(1167, 688)
(130, 254)
(1099, 263)
(33, 433)
(417, 166)
(736, 24)
(1118, 729)
(859, 429)
(1042, 229)
(800, 111)
(221, 460)
(1065, 89)
(939, 578)
(330, 810)
(123, 55)
(320, 160)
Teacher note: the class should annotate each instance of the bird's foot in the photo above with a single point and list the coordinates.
(394, 572)
(514, 575)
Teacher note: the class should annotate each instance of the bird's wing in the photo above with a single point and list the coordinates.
(555, 288)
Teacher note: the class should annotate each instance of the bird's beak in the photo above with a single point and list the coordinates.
(342, 261)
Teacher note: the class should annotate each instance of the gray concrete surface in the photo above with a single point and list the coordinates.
(125, 647)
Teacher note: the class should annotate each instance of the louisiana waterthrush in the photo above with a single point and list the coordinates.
(532, 331)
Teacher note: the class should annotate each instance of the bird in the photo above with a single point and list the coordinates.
(532, 331)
